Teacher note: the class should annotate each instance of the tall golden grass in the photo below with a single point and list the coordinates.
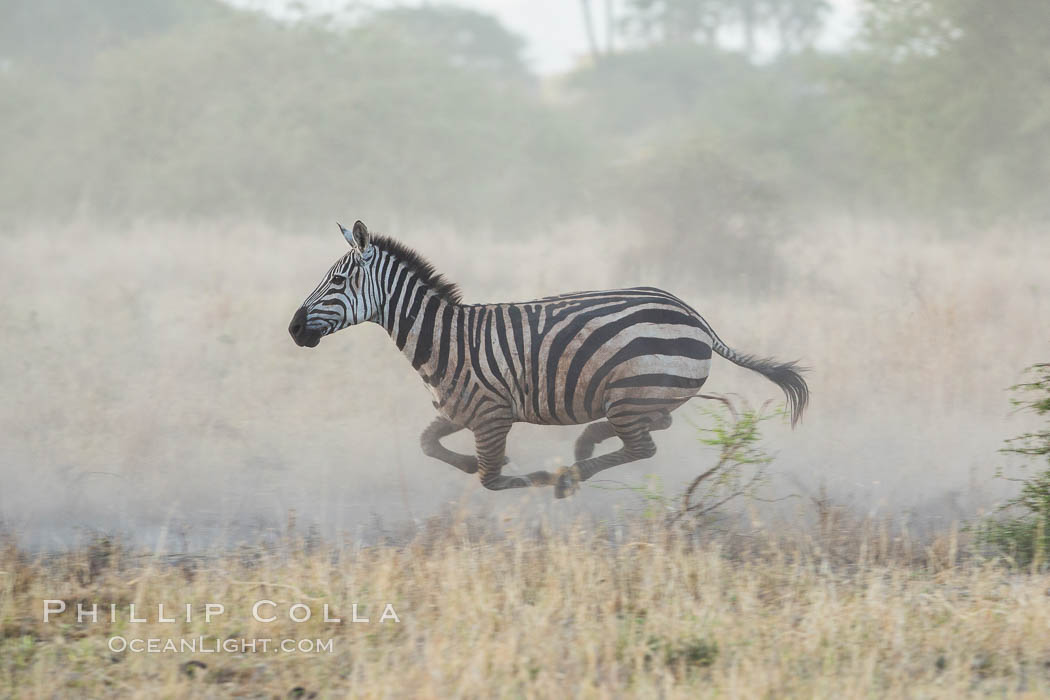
(494, 610)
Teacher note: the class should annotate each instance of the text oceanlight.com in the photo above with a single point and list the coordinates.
(210, 645)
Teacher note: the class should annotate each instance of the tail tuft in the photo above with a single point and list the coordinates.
(786, 375)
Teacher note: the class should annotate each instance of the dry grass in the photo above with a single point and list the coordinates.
(585, 611)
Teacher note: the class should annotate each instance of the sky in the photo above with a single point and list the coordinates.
(554, 28)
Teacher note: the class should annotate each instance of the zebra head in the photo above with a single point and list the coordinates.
(347, 294)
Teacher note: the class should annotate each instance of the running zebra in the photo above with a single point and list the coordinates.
(618, 360)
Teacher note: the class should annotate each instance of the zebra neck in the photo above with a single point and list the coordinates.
(412, 315)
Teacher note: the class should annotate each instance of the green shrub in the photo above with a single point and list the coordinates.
(1023, 532)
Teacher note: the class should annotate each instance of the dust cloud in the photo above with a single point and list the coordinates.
(151, 387)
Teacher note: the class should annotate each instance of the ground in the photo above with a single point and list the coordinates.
(504, 611)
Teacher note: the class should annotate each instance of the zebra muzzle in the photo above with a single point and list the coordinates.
(303, 334)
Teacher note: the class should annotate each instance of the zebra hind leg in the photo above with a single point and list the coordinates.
(637, 444)
(591, 436)
(603, 430)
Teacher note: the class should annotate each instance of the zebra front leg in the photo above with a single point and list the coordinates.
(430, 441)
(490, 441)
(637, 444)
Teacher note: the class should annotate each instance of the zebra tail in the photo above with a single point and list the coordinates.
(786, 375)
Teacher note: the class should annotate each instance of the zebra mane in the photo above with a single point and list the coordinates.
(421, 266)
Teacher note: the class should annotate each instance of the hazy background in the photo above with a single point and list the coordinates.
(860, 185)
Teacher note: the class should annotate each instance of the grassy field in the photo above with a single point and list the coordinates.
(492, 610)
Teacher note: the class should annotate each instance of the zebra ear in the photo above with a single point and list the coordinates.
(347, 235)
(361, 235)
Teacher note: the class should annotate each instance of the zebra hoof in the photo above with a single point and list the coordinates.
(567, 483)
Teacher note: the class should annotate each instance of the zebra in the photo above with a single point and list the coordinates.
(619, 361)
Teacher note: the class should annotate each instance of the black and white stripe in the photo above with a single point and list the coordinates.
(624, 357)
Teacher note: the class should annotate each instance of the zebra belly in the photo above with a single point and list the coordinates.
(653, 364)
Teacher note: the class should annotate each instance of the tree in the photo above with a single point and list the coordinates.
(675, 21)
(588, 27)
(953, 105)
(64, 37)
(469, 39)
(794, 23)
(425, 116)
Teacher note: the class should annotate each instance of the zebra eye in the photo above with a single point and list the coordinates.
(338, 279)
